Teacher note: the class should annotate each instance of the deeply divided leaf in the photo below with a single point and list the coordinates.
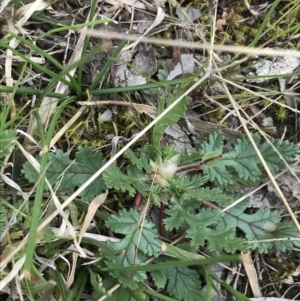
(171, 118)
(242, 165)
(140, 238)
(67, 174)
(263, 229)
(8, 139)
(286, 149)
(114, 178)
(141, 163)
(183, 284)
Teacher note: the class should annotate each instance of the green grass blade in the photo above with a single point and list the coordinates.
(229, 288)
(51, 59)
(78, 287)
(167, 84)
(108, 63)
(56, 275)
(173, 263)
(41, 186)
(87, 38)
(263, 24)
(67, 27)
(66, 71)
(158, 295)
(37, 66)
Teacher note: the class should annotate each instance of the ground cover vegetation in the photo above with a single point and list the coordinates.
(147, 148)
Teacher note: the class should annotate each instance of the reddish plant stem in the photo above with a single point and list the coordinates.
(137, 201)
(210, 204)
(162, 228)
(190, 167)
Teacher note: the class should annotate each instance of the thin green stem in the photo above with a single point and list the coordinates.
(158, 295)
(173, 263)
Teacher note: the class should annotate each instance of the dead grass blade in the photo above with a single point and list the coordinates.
(251, 273)
(141, 108)
(192, 45)
(49, 104)
(159, 18)
(93, 207)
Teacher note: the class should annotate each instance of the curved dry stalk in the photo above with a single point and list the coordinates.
(251, 273)
(64, 129)
(141, 108)
(192, 45)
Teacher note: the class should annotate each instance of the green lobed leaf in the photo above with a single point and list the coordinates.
(114, 178)
(138, 179)
(159, 278)
(223, 239)
(126, 294)
(168, 151)
(139, 236)
(97, 284)
(151, 152)
(143, 235)
(241, 165)
(211, 158)
(237, 183)
(264, 224)
(243, 159)
(125, 222)
(171, 118)
(187, 158)
(120, 294)
(141, 163)
(124, 254)
(287, 150)
(214, 144)
(8, 140)
(156, 195)
(218, 173)
(178, 212)
(200, 225)
(284, 238)
(67, 174)
(288, 233)
(183, 284)
(187, 187)
(207, 194)
(186, 183)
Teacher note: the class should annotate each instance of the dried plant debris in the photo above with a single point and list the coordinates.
(185, 66)
(277, 66)
(289, 186)
(188, 15)
(143, 64)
